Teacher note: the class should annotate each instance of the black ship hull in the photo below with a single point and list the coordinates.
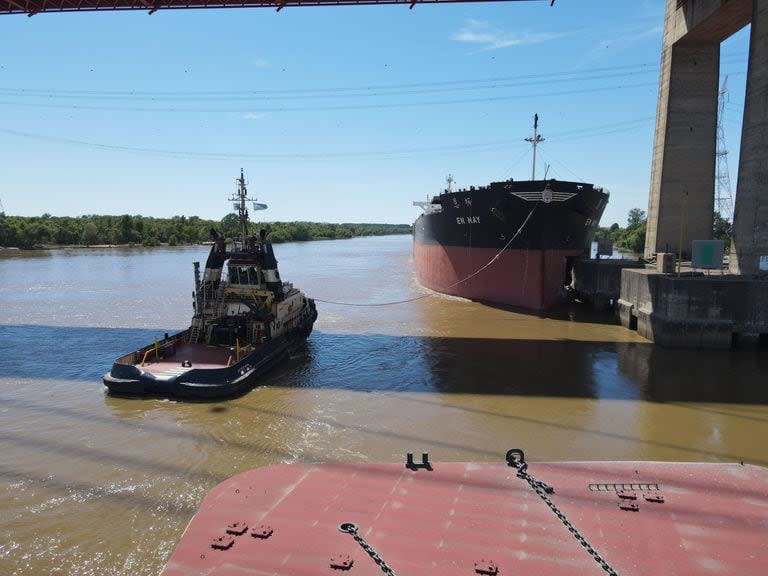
(509, 242)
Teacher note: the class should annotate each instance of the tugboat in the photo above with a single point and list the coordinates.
(242, 324)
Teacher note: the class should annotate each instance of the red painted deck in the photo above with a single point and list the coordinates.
(713, 520)
(200, 355)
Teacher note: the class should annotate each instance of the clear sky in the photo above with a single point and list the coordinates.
(338, 114)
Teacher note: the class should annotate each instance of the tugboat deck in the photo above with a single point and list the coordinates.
(199, 356)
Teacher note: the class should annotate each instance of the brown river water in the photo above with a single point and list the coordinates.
(91, 484)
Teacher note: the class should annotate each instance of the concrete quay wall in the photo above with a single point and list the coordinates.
(693, 310)
(599, 281)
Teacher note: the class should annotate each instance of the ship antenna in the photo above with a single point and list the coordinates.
(449, 181)
(239, 198)
(536, 139)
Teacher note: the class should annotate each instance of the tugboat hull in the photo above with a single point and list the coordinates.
(204, 383)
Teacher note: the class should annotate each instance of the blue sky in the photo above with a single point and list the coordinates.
(343, 114)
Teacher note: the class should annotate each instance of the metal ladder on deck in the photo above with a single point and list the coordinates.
(219, 300)
(194, 332)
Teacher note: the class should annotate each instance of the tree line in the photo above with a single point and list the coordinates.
(632, 237)
(47, 230)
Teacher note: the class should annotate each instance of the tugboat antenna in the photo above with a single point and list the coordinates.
(536, 139)
(240, 198)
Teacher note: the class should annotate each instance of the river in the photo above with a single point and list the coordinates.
(91, 484)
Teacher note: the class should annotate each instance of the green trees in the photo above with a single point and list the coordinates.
(722, 229)
(24, 232)
(632, 237)
(90, 234)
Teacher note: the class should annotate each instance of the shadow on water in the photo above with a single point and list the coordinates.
(570, 312)
(559, 368)
(377, 362)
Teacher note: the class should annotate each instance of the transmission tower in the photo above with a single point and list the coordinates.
(723, 198)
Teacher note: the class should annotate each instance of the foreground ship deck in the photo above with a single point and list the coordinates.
(482, 518)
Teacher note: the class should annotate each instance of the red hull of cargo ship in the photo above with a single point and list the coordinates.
(531, 279)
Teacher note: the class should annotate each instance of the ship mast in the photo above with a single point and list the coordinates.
(240, 197)
(449, 182)
(536, 139)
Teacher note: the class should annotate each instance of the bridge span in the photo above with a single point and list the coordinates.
(32, 7)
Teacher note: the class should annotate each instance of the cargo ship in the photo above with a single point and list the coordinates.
(246, 319)
(482, 518)
(510, 242)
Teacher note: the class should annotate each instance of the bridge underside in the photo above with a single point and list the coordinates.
(32, 7)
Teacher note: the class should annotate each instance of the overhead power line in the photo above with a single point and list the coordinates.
(188, 154)
(379, 105)
(271, 97)
(518, 79)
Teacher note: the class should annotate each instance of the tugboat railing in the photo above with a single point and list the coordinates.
(165, 347)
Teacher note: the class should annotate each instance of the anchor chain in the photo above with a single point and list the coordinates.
(351, 529)
(516, 459)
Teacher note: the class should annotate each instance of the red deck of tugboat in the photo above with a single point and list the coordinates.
(199, 356)
(481, 518)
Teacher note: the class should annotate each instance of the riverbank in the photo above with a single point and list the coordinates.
(91, 231)
(41, 247)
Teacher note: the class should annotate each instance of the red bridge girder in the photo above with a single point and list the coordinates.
(32, 7)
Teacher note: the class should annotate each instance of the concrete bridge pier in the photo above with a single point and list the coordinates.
(693, 309)
(750, 217)
(681, 201)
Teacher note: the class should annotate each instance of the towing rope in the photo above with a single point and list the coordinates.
(475, 273)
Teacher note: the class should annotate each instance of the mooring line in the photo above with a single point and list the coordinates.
(475, 273)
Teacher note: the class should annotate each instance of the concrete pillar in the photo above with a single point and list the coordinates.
(683, 175)
(750, 218)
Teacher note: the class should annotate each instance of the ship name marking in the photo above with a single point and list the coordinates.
(468, 220)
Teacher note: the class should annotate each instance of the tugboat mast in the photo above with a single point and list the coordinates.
(536, 139)
(240, 197)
